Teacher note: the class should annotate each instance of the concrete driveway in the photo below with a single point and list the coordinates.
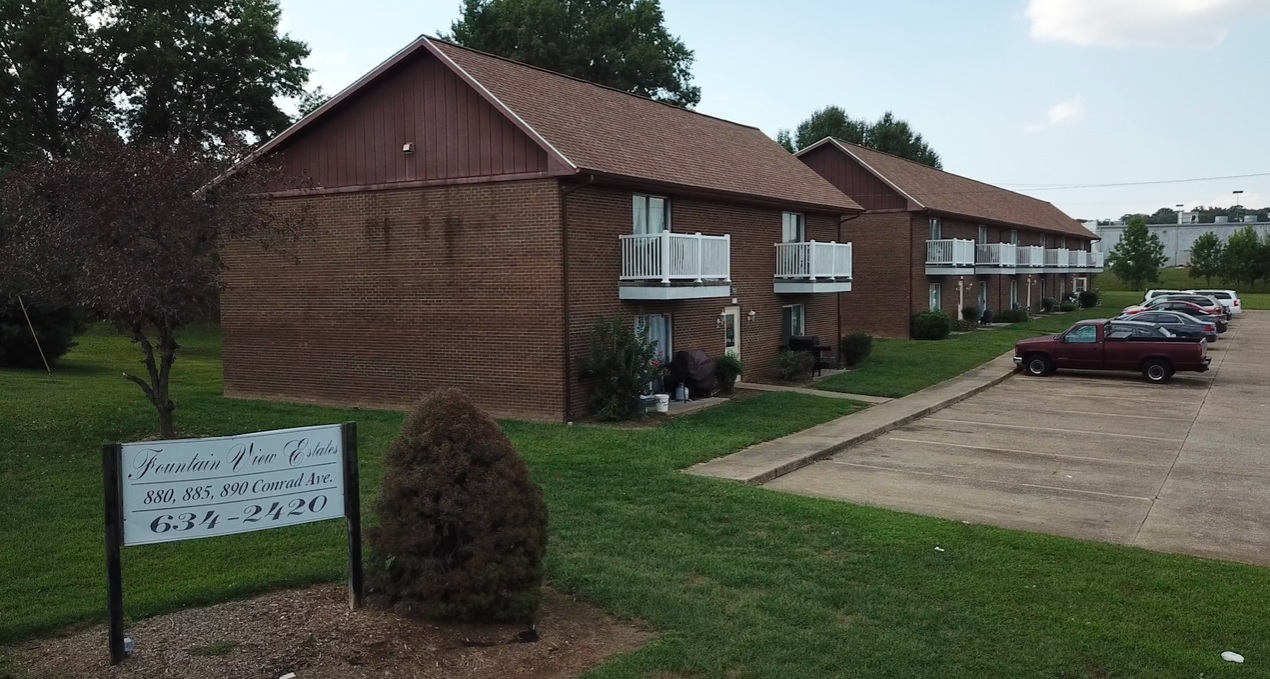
(1182, 467)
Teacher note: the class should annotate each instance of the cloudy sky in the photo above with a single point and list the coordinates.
(1026, 94)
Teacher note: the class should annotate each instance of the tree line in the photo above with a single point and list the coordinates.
(1207, 215)
(1244, 257)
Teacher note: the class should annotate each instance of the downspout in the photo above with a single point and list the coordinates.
(564, 295)
(844, 220)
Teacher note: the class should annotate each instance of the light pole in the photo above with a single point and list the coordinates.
(1178, 210)
(1237, 192)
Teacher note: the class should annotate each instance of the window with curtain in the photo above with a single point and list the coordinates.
(793, 228)
(936, 229)
(793, 321)
(650, 214)
(1014, 236)
(658, 327)
(983, 234)
(1014, 294)
(934, 297)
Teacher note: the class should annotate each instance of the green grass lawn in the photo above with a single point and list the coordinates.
(738, 582)
(1251, 297)
(900, 367)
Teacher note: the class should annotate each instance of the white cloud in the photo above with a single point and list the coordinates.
(1124, 23)
(1062, 113)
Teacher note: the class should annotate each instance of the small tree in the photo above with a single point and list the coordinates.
(619, 368)
(1206, 257)
(1138, 256)
(462, 526)
(1241, 256)
(55, 328)
(131, 234)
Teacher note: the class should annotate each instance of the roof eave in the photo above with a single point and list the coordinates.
(730, 196)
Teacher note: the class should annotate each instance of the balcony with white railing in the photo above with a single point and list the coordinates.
(995, 258)
(950, 256)
(1056, 260)
(666, 266)
(1096, 261)
(1031, 256)
(813, 267)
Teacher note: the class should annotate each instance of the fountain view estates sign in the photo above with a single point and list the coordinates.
(163, 491)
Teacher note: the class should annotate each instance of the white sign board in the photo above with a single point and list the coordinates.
(197, 488)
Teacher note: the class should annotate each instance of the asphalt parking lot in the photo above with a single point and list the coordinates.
(1181, 467)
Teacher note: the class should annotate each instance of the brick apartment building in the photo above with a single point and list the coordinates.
(936, 240)
(474, 216)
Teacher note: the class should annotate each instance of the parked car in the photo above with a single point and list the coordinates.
(1178, 323)
(1113, 345)
(1209, 304)
(1177, 305)
(1152, 294)
(1227, 298)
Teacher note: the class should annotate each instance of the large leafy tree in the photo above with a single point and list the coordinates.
(623, 44)
(131, 232)
(1138, 256)
(1206, 257)
(161, 70)
(1241, 257)
(54, 81)
(888, 134)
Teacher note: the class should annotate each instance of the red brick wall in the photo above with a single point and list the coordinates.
(597, 215)
(883, 262)
(397, 293)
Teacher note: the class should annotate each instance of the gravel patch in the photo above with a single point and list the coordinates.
(313, 634)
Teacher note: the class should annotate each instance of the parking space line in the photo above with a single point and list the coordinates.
(1139, 400)
(1026, 452)
(995, 483)
(1067, 431)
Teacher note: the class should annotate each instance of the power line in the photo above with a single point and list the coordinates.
(1059, 187)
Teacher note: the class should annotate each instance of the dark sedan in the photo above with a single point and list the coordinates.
(1180, 324)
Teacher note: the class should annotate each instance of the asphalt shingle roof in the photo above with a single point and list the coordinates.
(945, 192)
(613, 132)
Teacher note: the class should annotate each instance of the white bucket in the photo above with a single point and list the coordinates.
(663, 403)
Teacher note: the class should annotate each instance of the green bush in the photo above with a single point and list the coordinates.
(1089, 299)
(1067, 306)
(727, 368)
(56, 329)
(854, 348)
(1049, 305)
(931, 325)
(793, 365)
(1012, 316)
(462, 527)
(965, 326)
(619, 368)
(971, 313)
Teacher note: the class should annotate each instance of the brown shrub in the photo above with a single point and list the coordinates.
(462, 527)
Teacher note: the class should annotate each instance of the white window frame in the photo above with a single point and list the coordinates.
(1014, 293)
(641, 205)
(793, 227)
(1014, 236)
(981, 298)
(983, 234)
(934, 296)
(801, 317)
(936, 229)
(1080, 284)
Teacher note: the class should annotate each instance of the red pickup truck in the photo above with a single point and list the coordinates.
(1113, 345)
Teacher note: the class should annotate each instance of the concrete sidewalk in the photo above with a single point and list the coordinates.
(766, 461)
(814, 392)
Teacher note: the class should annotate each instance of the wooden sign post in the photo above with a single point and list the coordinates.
(163, 491)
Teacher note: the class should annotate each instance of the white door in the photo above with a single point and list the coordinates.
(732, 331)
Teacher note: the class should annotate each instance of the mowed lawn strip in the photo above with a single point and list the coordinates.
(1250, 296)
(737, 581)
(900, 367)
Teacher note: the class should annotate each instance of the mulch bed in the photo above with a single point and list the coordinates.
(313, 633)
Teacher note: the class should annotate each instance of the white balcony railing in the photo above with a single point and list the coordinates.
(1055, 258)
(996, 254)
(1031, 255)
(667, 257)
(1079, 259)
(813, 260)
(1095, 260)
(950, 252)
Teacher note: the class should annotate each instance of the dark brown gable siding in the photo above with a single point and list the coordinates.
(850, 178)
(456, 133)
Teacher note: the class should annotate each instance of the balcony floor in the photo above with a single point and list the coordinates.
(795, 287)
(656, 292)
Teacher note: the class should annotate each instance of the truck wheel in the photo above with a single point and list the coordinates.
(1037, 365)
(1157, 371)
